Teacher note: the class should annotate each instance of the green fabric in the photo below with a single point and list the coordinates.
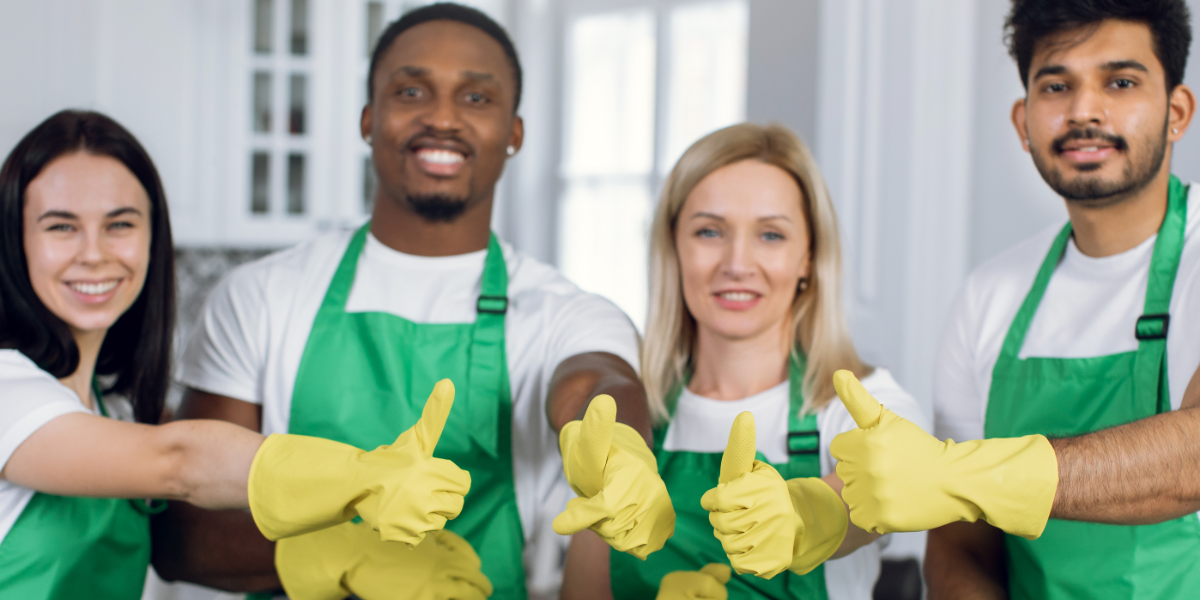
(364, 378)
(688, 476)
(1067, 397)
(65, 548)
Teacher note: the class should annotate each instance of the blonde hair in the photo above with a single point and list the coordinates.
(817, 323)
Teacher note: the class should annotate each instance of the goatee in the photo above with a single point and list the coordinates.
(1096, 191)
(437, 207)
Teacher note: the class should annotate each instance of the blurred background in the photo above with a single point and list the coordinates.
(250, 109)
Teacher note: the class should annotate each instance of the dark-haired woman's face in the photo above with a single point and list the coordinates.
(87, 239)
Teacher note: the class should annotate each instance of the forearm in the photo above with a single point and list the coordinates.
(586, 574)
(1138, 473)
(856, 537)
(965, 561)
(213, 461)
(580, 378)
(218, 549)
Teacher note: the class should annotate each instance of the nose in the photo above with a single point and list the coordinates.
(1087, 107)
(443, 114)
(737, 264)
(93, 250)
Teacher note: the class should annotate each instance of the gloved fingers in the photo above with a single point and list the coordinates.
(738, 458)
(458, 589)
(862, 406)
(429, 427)
(580, 514)
(844, 446)
(461, 550)
(591, 450)
(470, 577)
(717, 571)
(746, 491)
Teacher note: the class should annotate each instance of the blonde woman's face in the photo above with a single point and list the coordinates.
(743, 247)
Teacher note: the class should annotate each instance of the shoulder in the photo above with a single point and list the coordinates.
(20, 377)
(287, 272)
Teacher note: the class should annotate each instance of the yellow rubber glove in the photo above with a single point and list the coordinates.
(621, 496)
(899, 478)
(766, 524)
(706, 584)
(346, 559)
(300, 484)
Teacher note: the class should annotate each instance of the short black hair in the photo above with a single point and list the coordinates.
(445, 11)
(1031, 21)
(137, 349)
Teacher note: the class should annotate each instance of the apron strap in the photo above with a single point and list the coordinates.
(486, 374)
(1150, 365)
(1015, 338)
(343, 278)
(804, 438)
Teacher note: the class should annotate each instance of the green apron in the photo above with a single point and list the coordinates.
(364, 378)
(688, 475)
(67, 548)
(1074, 396)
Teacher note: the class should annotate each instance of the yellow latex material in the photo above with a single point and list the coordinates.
(765, 524)
(899, 478)
(621, 496)
(346, 559)
(300, 484)
(706, 584)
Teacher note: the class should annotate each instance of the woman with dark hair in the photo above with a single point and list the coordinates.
(86, 304)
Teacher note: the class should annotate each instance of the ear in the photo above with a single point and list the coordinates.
(364, 123)
(1181, 109)
(1019, 123)
(518, 133)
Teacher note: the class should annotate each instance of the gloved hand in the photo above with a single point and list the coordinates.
(706, 584)
(899, 478)
(300, 484)
(346, 559)
(621, 496)
(766, 524)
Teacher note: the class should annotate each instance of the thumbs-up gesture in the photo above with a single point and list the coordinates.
(766, 524)
(706, 584)
(899, 478)
(299, 484)
(621, 496)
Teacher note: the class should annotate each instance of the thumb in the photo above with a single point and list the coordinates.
(595, 439)
(433, 417)
(580, 514)
(717, 571)
(863, 407)
(740, 450)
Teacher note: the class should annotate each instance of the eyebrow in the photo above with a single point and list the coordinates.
(412, 71)
(704, 215)
(477, 76)
(62, 214)
(1115, 65)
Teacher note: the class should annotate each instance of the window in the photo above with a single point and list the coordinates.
(620, 139)
(279, 137)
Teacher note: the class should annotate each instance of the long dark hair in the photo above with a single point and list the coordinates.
(137, 349)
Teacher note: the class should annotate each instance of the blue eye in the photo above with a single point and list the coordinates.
(708, 232)
(60, 227)
(772, 236)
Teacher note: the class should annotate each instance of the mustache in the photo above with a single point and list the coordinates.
(433, 134)
(1089, 133)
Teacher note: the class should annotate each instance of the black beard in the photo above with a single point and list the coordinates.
(437, 207)
(1097, 192)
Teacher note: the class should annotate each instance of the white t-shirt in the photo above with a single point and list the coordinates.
(255, 325)
(702, 425)
(1090, 309)
(29, 398)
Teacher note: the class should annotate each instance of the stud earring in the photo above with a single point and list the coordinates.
(1175, 131)
(511, 150)
(370, 141)
(802, 284)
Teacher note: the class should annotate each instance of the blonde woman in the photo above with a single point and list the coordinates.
(746, 316)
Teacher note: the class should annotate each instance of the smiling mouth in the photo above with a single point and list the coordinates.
(94, 289)
(737, 296)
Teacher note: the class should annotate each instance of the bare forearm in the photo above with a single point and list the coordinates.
(856, 537)
(214, 462)
(583, 377)
(965, 561)
(219, 549)
(1142, 472)
(586, 575)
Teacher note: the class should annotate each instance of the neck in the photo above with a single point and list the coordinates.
(397, 226)
(1119, 227)
(728, 369)
(80, 381)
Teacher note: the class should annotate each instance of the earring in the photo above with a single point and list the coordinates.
(370, 141)
(511, 150)
(1175, 131)
(802, 284)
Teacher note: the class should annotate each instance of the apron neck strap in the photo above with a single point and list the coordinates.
(487, 373)
(343, 278)
(99, 395)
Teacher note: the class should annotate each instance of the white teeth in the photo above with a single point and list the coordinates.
(440, 157)
(94, 289)
(1089, 149)
(737, 296)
